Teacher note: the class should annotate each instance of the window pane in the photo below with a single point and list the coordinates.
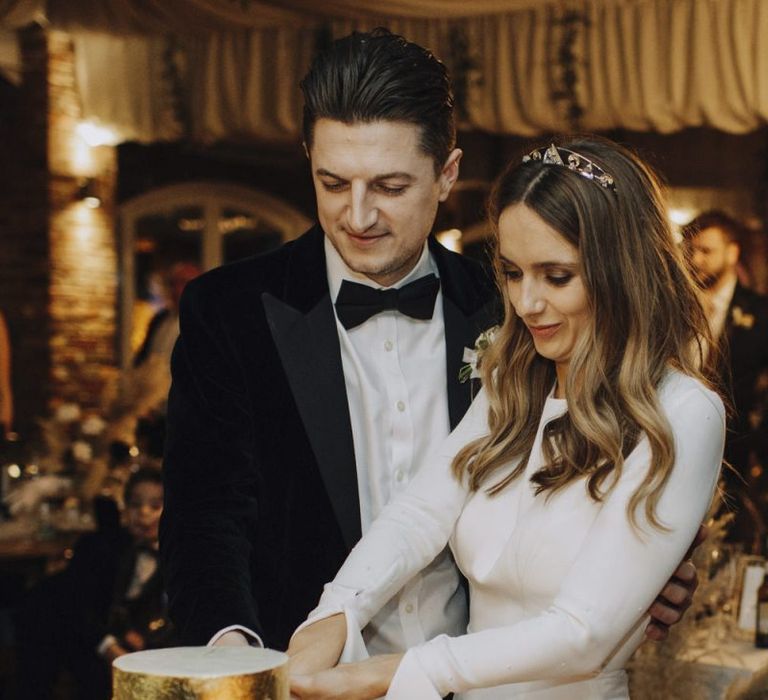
(244, 235)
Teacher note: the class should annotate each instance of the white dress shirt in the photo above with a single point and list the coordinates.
(395, 376)
(716, 306)
(559, 583)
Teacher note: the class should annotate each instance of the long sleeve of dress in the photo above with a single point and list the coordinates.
(612, 581)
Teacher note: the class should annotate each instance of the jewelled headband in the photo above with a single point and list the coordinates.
(554, 155)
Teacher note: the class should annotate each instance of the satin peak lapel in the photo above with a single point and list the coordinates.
(461, 331)
(470, 306)
(309, 350)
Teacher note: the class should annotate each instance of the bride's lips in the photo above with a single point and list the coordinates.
(544, 332)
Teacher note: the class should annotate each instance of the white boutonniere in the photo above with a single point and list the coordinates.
(473, 356)
(741, 319)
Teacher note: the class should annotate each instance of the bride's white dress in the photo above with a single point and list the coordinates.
(559, 584)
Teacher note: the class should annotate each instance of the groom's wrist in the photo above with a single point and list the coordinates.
(232, 639)
(380, 672)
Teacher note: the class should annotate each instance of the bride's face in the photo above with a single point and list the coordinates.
(544, 283)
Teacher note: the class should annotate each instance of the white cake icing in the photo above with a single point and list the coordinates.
(201, 662)
(201, 673)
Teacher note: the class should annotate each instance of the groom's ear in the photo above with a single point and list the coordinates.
(450, 173)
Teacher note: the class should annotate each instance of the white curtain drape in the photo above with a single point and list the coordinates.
(187, 16)
(660, 65)
(123, 84)
(246, 83)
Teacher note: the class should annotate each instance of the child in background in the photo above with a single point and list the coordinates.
(107, 603)
(137, 616)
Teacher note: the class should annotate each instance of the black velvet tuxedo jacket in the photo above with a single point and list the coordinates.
(260, 480)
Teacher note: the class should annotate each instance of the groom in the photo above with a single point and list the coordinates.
(309, 384)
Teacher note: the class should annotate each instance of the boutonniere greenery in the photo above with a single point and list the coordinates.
(741, 319)
(473, 356)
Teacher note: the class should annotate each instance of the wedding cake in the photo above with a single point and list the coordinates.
(201, 673)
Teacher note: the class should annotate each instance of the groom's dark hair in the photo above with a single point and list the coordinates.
(366, 77)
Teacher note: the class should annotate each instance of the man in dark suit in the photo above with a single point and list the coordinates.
(308, 384)
(738, 319)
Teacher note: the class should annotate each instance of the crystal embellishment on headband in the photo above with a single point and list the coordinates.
(553, 155)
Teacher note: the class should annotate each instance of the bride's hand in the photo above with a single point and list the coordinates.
(318, 646)
(364, 680)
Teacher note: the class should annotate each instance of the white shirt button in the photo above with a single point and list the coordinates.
(409, 608)
(400, 406)
(388, 345)
(399, 476)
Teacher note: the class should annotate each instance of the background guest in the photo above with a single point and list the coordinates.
(137, 618)
(163, 328)
(108, 602)
(738, 319)
(154, 355)
(6, 391)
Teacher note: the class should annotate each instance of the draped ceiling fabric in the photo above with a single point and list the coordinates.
(184, 16)
(123, 85)
(658, 65)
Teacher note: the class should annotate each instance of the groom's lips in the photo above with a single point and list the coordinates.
(368, 240)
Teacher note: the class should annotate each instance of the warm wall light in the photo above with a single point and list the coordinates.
(86, 193)
(681, 215)
(96, 135)
(451, 239)
(87, 158)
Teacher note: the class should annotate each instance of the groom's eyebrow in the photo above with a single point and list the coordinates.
(322, 172)
(397, 175)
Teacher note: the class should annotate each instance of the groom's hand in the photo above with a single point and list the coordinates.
(318, 646)
(676, 597)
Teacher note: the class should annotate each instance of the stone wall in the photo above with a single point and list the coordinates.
(83, 271)
(58, 262)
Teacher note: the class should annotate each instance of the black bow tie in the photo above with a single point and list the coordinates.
(356, 303)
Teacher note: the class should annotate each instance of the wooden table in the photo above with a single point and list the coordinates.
(32, 557)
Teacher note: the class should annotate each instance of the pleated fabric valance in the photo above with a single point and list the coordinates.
(519, 67)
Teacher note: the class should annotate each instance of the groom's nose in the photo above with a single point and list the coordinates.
(361, 212)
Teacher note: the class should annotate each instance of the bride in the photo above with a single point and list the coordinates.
(578, 478)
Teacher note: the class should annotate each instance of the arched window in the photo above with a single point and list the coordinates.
(190, 227)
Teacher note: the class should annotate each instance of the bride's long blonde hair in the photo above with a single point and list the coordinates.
(645, 319)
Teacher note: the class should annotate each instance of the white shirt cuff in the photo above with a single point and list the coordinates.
(105, 643)
(354, 645)
(253, 639)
